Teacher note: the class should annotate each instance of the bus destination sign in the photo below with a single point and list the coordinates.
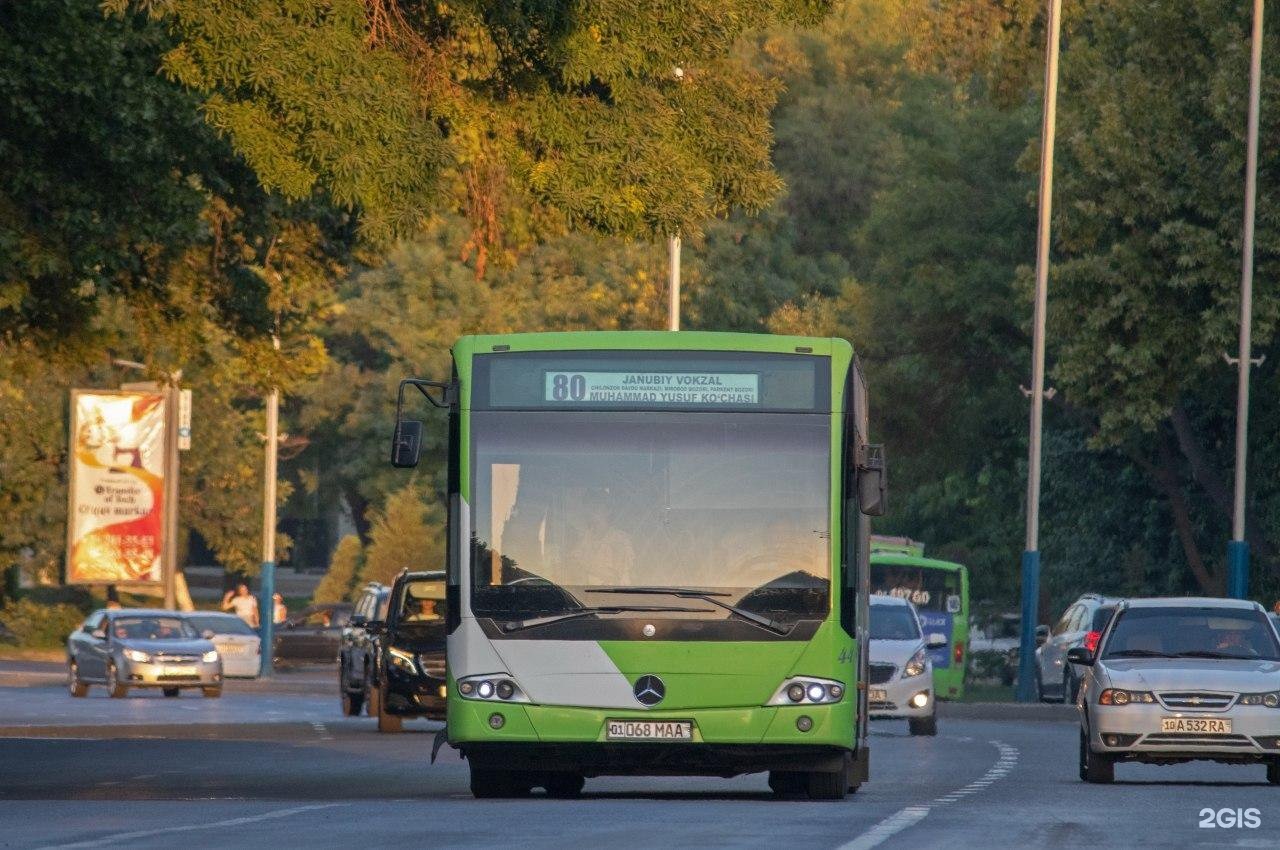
(684, 388)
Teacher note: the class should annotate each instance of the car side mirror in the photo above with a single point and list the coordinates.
(1080, 655)
(406, 445)
(873, 481)
(936, 640)
(1042, 635)
(100, 632)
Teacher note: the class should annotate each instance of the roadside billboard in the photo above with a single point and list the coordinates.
(115, 527)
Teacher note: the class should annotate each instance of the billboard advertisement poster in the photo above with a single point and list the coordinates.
(115, 530)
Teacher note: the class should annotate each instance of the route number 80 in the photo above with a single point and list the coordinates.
(568, 387)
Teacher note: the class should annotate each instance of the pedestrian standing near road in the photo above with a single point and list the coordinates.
(281, 613)
(243, 603)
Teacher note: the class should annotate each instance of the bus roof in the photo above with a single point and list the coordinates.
(907, 560)
(652, 340)
(902, 545)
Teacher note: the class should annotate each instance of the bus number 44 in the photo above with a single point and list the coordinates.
(846, 656)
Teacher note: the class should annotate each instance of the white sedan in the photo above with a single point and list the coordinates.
(901, 674)
(236, 641)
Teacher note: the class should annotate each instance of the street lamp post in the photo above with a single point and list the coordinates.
(1238, 548)
(266, 607)
(1031, 555)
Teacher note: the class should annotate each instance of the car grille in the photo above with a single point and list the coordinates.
(1195, 700)
(881, 673)
(185, 678)
(1176, 738)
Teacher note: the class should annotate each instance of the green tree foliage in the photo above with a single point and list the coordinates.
(345, 565)
(406, 534)
(485, 106)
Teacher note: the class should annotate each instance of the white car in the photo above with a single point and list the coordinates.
(1176, 680)
(237, 643)
(901, 675)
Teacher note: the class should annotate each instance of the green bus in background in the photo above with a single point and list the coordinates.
(657, 559)
(940, 592)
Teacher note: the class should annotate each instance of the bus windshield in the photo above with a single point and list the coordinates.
(927, 588)
(727, 502)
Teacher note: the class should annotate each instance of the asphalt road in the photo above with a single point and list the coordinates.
(264, 769)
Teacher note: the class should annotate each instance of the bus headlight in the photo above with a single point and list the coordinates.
(916, 666)
(498, 687)
(806, 690)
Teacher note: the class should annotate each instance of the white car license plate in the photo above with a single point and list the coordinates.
(648, 730)
(170, 670)
(1201, 725)
(878, 695)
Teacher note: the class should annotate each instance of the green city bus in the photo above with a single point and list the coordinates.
(657, 557)
(940, 592)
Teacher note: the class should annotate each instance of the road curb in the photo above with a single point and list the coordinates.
(1032, 711)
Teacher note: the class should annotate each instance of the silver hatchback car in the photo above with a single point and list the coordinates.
(1178, 680)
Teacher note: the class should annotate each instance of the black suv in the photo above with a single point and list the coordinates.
(1080, 625)
(393, 653)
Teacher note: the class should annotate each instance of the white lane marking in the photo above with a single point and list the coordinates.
(912, 815)
(169, 830)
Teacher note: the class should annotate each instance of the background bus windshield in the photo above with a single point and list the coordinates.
(927, 589)
(736, 502)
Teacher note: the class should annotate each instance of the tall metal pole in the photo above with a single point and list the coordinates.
(1238, 548)
(1031, 555)
(266, 605)
(170, 547)
(673, 285)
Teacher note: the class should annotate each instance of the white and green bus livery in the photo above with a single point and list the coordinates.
(657, 559)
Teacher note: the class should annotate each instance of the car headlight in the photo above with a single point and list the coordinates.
(805, 690)
(1270, 699)
(210, 656)
(403, 661)
(496, 688)
(917, 665)
(137, 655)
(1119, 696)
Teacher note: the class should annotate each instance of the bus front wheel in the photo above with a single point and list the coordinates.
(827, 785)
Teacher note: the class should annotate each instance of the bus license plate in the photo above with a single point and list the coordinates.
(649, 730)
(878, 695)
(1202, 725)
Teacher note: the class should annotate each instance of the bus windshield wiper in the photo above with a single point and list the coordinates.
(706, 596)
(517, 625)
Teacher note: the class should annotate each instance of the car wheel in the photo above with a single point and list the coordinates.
(924, 725)
(115, 690)
(1273, 771)
(211, 693)
(388, 722)
(171, 692)
(74, 685)
(564, 786)
(1098, 768)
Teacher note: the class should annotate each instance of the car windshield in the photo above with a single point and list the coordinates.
(1192, 632)
(151, 628)
(422, 602)
(893, 622)
(735, 503)
(220, 625)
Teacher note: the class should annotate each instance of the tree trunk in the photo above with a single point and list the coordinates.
(1207, 476)
(1166, 478)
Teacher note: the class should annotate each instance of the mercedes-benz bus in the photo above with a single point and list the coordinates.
(940, 592)
(657, 557)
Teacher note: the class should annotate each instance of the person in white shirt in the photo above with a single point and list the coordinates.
(243, 603)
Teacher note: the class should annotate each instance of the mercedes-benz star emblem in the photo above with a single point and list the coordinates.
(649, 690)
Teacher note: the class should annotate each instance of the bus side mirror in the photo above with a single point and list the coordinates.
(873, 484)
(406, 445)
